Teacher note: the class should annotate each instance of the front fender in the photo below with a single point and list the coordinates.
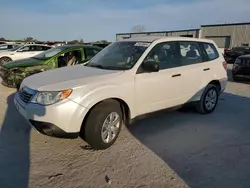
(94, 96)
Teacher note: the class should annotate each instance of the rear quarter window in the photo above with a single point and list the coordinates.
(210, 51)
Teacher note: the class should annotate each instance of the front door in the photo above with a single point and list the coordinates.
(175, 83)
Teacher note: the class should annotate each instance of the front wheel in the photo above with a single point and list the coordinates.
(4, 60)
(209, 100)
(103, 125)
(235, 78)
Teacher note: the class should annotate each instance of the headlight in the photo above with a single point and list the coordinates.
(237, 61)
(50, 97)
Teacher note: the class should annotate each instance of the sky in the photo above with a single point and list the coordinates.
(93, 20)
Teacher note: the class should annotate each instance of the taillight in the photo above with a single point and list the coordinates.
(224, 65)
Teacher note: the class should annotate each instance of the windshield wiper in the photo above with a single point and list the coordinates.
(106, 67)
(95, 65)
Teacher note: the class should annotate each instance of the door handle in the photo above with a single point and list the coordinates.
(207, 69)
(176, 75)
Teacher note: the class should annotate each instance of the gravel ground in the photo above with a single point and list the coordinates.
(168, 149)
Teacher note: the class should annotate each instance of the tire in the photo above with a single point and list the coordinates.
(201, 106)
(235, 78)
(93, 127)
(4, 60)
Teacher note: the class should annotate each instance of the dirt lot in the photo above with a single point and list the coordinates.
(168, 149)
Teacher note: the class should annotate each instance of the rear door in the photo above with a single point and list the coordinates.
(212, 68)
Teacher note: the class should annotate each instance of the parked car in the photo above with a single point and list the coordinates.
(241, 68)
(21, 52)
(231, 55)
(6, 47)
(12, 73)
(128, 78)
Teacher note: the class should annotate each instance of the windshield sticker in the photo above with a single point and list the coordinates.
(144, 44)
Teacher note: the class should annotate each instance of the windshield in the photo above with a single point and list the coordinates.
(119, 55)
(15, 48)
(48, 53)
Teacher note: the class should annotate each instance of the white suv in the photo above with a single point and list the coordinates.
(126, 79)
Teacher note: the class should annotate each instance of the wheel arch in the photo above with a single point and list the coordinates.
(216, 83)
(124, 107)
(3, 58)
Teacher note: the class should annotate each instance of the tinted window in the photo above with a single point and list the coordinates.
(211, 51)
(25, 49)
(90, 52)
(37, 48)
(165, 55)
(189, 53)
(44, 48)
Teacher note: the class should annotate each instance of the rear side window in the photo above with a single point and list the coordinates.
(44, 48)
(211, 51)
(190, 53)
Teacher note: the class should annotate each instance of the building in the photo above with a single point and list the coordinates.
(225, 35)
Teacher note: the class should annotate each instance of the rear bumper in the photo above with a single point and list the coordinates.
(223, 83)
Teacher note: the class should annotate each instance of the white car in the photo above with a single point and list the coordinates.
(126, 79)
(6, 47)
(22, 52)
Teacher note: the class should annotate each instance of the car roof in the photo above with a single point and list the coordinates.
(164, 39)
(76, 45)
(36, 45)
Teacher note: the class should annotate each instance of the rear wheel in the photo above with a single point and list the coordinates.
(103, 125)
(4, 60)
(209, 99)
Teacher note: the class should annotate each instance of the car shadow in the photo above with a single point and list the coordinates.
(14, 148)
(204, 150)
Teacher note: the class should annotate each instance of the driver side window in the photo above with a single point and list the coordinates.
(69, 58)
(24, 49)
(164, 54)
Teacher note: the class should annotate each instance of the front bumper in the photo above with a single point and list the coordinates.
(63, 119)
(10, 78)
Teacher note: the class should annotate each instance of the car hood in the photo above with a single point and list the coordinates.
(245, 56)
(5, 53)
(67, 78)
(22, 63)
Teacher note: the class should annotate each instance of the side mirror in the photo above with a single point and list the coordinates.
(150, 66)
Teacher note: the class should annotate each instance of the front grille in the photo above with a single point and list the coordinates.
(245, 62)
(26, 94)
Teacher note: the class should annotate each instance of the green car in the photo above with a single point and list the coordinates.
(13, 73)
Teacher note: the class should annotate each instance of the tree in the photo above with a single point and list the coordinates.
(29, 39)
(81, 41)
(138, 29)
(102, 41)
(73, 42)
